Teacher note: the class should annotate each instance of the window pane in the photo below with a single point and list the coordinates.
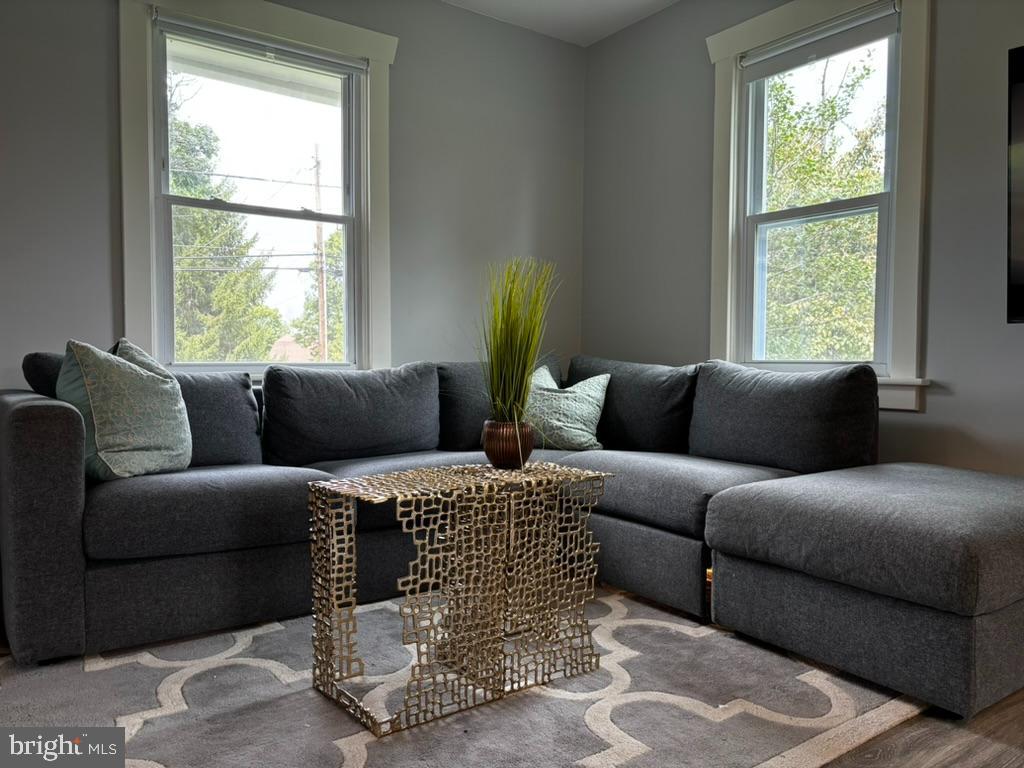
(251, 129)
(824, 130)
(814, 289)
(257, 288)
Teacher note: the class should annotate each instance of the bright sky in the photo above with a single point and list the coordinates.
(272, 136)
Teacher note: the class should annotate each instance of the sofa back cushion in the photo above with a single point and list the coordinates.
(312, 415)
(223, 413)
(41, 370)
(804, 422)
(224, 417)
(646, 407)
(464, 404)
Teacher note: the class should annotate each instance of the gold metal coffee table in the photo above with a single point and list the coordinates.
(493, 601)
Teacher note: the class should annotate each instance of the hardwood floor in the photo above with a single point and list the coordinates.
(992, 739)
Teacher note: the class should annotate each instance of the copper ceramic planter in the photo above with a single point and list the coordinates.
(507, 444)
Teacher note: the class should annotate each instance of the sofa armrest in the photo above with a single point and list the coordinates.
(42, 499)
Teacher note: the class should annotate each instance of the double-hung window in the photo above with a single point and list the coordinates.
(254, 162)
(820, 128)
(258, 201)
(819, 123)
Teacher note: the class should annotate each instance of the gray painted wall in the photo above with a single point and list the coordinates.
(647, 198)
(60, 204)
(486, 163)
(975, 410)
(648, 216)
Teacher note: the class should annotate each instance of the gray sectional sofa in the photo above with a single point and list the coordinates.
(702, 456)
(910, 575)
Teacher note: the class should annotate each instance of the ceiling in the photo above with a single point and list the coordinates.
(576, 21)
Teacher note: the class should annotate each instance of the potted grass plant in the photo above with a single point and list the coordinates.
(515, 318)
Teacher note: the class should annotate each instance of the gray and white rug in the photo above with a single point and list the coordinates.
(670, 692)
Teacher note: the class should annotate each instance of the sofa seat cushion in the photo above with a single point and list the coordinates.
(372, 517)
(205, 509)
(949, 539)
(665, 490)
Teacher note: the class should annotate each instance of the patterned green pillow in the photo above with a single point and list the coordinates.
(135, 419)
(566, 418)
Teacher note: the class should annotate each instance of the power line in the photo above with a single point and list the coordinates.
(235, 252)
(223, 257)
(335, 272)
(255, 178)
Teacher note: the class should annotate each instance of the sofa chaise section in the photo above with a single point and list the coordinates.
(909, 575)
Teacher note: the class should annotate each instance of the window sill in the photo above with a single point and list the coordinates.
(901, 394)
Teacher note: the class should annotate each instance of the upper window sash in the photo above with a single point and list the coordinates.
(815, 44)
(350, 75)
(752, 113)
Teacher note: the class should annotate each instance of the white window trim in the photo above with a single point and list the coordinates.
(289, 27)
(902, 388)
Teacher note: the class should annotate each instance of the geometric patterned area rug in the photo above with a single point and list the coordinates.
(670, 692)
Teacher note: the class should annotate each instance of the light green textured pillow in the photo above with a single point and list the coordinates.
(135, 419)
(566, 418)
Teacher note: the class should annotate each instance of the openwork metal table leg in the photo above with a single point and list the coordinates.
(576, 574)
(333, 555)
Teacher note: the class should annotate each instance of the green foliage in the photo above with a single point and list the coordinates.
(820, 302)
(515, 318)
(219, 290)
(821, 290)
(805, 159)
(307, 326)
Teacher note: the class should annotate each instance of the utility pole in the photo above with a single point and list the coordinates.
(321, 260)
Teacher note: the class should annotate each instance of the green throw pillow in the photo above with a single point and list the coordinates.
(566, 418)
(135, 419)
